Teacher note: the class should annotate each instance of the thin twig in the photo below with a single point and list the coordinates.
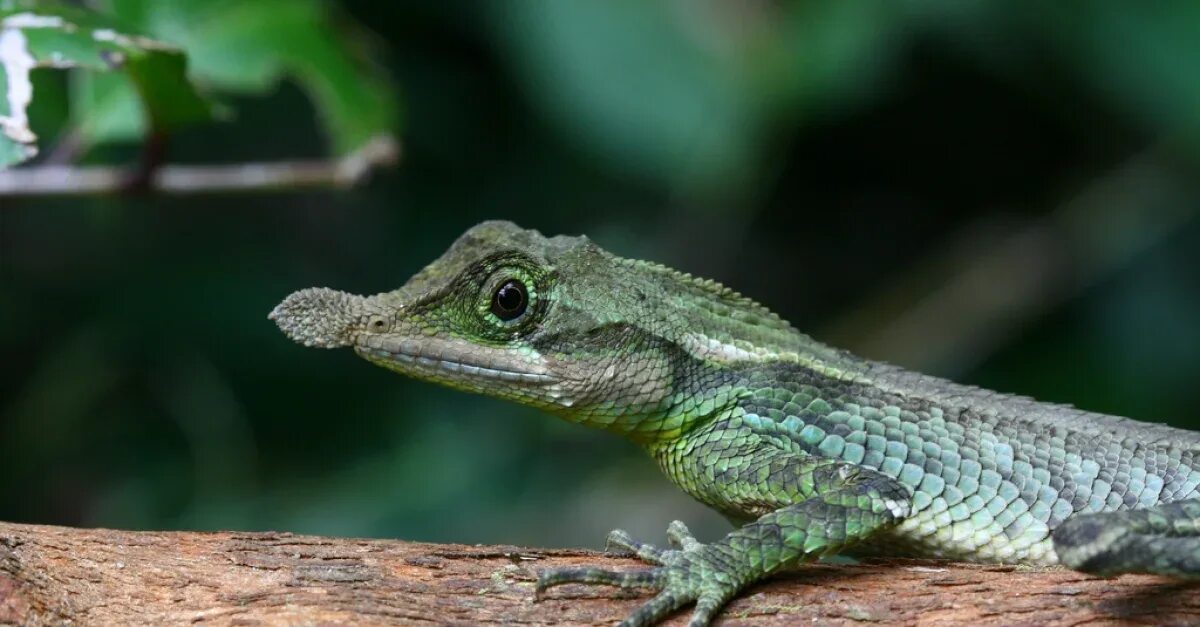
(346, 171)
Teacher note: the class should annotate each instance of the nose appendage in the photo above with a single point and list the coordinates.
(319, 317)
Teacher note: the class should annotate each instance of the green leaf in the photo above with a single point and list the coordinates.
(250, 46)
(54, 35)
(16, 140)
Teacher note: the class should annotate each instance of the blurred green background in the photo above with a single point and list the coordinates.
(1005, 193)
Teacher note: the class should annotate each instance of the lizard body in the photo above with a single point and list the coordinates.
(808, 449)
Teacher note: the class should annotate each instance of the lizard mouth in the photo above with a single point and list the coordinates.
(455, 360)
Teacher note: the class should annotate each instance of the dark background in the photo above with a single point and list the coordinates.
(1004, 193)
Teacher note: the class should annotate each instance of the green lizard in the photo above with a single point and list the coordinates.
(809, 450)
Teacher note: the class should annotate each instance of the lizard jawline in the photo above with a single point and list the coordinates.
(417, 359)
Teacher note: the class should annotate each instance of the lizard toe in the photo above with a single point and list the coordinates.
(646, 578)
(625, 543)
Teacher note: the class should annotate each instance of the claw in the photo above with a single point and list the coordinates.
(680, 537)
(648, 552)
(676, 579)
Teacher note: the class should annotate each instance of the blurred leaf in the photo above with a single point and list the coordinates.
(50, 34)
(631, 84)
(686, 94)
(828, 50)
(13, 151)
(249, 46)
(106, 107)
(1140, 56)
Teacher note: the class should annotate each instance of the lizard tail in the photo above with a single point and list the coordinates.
(1163, 540)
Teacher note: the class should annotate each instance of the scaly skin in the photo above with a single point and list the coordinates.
(808, 449)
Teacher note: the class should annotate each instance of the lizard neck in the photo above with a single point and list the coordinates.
(682, 386)
(655, 394)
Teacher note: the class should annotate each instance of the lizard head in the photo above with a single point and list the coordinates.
(555, 322)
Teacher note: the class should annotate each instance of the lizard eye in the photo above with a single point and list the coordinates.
(510, 300)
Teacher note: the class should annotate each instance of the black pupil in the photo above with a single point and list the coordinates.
(509, 301)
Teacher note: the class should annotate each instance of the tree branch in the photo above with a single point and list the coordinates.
(55, 575)
(66, 180)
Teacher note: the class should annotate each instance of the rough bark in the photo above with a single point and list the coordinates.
(55, 575)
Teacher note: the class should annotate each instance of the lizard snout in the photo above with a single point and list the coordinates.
(320, 317)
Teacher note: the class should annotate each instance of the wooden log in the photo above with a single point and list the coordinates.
(56, 575)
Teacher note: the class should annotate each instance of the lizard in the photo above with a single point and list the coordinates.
(808, 450)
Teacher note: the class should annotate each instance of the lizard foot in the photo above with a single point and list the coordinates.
(689, 571)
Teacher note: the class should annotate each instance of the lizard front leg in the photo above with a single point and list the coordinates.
(847, 504)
